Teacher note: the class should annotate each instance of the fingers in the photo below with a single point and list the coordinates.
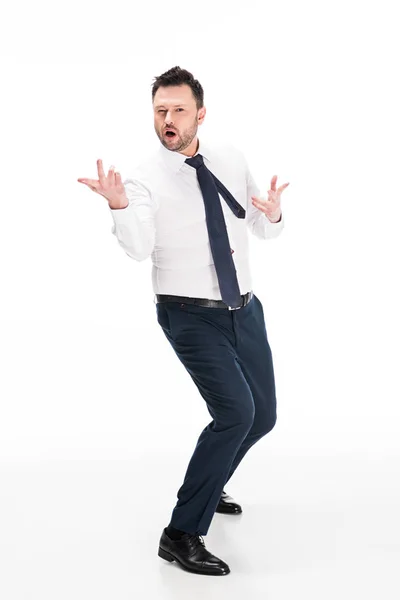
(100, 171)
(92, 183)
(111, 175)
(282, 187)
(273, 185)
(112, 178)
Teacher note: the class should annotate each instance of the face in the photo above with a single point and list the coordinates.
(175, 108)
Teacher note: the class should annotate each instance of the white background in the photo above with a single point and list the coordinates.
(98, 417)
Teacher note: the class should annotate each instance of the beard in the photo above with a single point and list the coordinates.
(181, 140)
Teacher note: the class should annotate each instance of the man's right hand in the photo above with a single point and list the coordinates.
(111, 187)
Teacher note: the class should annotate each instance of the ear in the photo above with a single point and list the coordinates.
(202, 114)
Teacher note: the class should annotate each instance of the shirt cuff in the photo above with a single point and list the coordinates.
(275, 222)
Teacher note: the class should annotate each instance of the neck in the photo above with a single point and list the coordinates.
(192, 149)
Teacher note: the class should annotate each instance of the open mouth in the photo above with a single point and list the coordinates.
(170, 134)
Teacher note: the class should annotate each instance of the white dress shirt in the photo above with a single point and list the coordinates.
(166, 219)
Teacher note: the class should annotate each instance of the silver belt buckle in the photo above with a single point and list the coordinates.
(237, 307)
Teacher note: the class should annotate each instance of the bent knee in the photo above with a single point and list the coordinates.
(245, 417)
(269, 423)
(264, 426)
(241, 418)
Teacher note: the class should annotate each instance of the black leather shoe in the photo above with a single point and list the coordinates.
(227, 506)
(191, 553)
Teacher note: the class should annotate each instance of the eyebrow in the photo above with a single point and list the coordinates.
(175, 105)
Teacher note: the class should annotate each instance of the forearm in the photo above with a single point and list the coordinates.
(134, 225)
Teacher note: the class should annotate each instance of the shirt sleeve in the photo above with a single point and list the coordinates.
(134, 225)
(257, 221)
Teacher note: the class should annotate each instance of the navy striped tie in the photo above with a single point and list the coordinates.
(218, 235)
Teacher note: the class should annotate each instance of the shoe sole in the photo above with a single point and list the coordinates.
(170, 558)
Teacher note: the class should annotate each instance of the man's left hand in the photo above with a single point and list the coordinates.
(272, 206)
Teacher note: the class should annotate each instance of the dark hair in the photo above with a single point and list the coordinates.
(178, 76)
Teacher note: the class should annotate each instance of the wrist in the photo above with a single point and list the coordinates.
(275, 218)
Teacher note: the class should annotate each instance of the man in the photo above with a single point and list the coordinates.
(188, 206)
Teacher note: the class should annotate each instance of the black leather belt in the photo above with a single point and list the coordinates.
(204, 301)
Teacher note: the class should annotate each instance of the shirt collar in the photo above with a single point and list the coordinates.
(175, 160)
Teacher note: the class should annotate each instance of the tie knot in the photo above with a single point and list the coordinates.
(195, 161)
